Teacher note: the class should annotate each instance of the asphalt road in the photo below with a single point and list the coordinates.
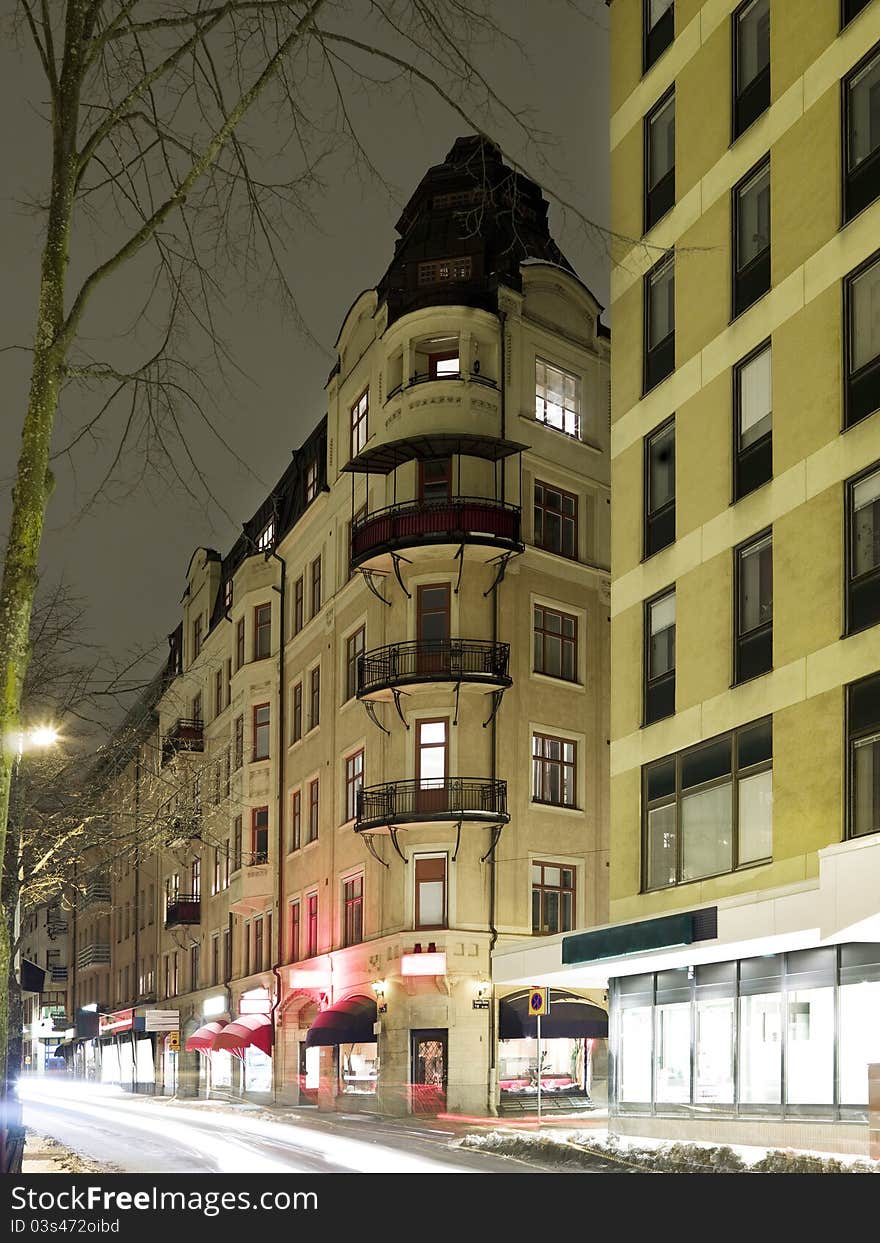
(138, 1134)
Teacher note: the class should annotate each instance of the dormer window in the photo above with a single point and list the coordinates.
(266, 538)
(311, 482)
(444, 271)
(557, 398)
(227, 594)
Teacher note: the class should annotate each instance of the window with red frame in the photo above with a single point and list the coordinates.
(556, 520)
(295, 931)
(296, 713)
(261, 731)
(430, 882)
(359, 413)
(554, 767)
(313, 811)
(262, 631)
(311, 925)
(316, 586)
(353, 910)
(260, 835)
(315, 697)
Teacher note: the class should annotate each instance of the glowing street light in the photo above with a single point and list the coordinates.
(43, 736)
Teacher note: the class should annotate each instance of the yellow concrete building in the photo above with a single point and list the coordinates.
(383, 741)
(743, 961)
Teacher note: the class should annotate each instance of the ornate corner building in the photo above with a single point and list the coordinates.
(381, 744)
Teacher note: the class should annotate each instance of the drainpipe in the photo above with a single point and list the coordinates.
(279, 873)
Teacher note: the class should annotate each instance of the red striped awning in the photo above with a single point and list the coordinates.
(247, 1029)
(204, 1038)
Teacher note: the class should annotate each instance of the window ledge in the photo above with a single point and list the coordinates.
(556, 807)
(550, 679)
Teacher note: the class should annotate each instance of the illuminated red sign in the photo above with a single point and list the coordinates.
(110, 1024)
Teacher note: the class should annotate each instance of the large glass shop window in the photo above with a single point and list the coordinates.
(859, 1039)
(809, 1047)
(713, 1079)
(760, 1049)
(673, 1052)
(635, 1054)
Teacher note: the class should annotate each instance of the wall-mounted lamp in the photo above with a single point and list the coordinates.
(482, 988)
(378, 987)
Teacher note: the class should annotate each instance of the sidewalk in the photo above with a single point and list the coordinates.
(43, 1155)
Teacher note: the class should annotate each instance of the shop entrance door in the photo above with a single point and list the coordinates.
(429, 1070)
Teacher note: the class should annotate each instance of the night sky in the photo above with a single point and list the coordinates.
(127, 557)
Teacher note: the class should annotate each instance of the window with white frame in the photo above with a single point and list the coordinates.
(557, 398)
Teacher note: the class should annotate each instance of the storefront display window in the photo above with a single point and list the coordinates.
(859, 1039)
(359, 1068)
(713, 1081)
(564, 1066)
(635, 1054)
(760, 1046)
(672, 1053)
(144, 1066)
(257, 1070)
(109, 1063)
(221, 1068)
(809, 1052)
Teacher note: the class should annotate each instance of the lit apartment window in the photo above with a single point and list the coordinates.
(311, 482)
(659, 488)
(851, 9)
(709, 810)
(353, 910)
(298, 609)
(227, 594)
(266, 538)
(753, 607)
(861, 101)
(197, 636)
(553, 898)
(262, 631)
(313, 811)
(359, 412)
(863, 342)
(442, 271)
(260, 835)
(554, 768)
(660, 160)
(430, 891)
(556, 520)
(296, 713)
(261, 732)
(239, 643)
(354, 649)
(863, 727)
(444, 365)
(659, 689)
(311, 925)
(555, 643)
(751, 63)
(316, 586)
(753, 421)
(557, 398)
(659, 29)
(315, 697)
(863, 551)
(751, 238)
(295, 820)
(659, 322)
(196, 879)
(354, 783)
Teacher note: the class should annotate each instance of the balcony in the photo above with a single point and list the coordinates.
(56, 925)
(431, 663)
(95, 894)
(185, 735)
(455, 800)
(460, 521)
(95, 955)
(251, 886)
(57, 975)
(183, 908)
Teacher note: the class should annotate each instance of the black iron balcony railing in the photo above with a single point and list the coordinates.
(186, 734)
(396, 803)
(183, 908)
(432, 660)
(94, 955)
(458, 520)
